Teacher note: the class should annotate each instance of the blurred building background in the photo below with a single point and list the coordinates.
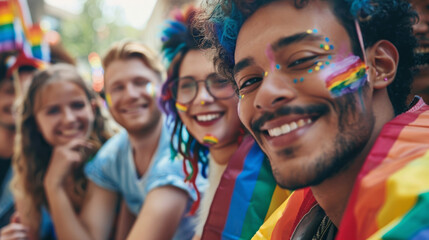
(86, 28)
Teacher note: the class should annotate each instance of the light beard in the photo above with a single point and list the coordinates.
(354, 131)
(150, 127)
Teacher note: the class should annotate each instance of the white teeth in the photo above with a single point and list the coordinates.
(70, 132)
(288, 127)
(293, 126)
(208, 117)
(422, 50)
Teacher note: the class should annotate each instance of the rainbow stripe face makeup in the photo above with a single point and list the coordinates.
(210, 140)
(347, 76)
(150, 89)
(180, 107)
(108, 100)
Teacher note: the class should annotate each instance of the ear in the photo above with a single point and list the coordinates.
(383, 57)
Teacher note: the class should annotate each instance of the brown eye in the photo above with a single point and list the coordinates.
(77, 105)
(53, 110)
(303, 63)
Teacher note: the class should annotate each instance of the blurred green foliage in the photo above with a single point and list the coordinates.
(95, 30)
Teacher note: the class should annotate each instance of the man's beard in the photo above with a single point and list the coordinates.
(354, 131)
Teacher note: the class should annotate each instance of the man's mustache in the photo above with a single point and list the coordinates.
(319, 109)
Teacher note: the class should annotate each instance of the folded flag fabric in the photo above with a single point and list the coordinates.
(247, 195)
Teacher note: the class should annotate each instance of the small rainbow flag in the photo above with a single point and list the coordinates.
(390, 199)
(246, 196)
(7, 31)
(347, 76)
(38, 48)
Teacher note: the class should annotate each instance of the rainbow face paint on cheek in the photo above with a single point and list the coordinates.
(108, 100)
(348, 76)
(180, 107)
(150, 89)
(210, 140)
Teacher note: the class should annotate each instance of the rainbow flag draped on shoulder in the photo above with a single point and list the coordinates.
(247, 195)
(390, 199)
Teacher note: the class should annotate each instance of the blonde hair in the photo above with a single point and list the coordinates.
(32, 153)
(125, 50)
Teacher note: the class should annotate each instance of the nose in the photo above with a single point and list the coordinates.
(274, 91)
(421, 27)
(203, 95)
(131, 91)
(68, 115)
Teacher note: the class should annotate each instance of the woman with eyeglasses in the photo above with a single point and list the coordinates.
(202, 105)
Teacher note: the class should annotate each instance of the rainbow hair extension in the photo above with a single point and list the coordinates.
(348, 76)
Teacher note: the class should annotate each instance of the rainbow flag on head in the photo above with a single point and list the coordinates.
(246, 196)
(390, 199)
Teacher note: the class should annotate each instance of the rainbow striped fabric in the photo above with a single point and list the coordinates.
(390, 199)
(35, 38)
(349, 75)
(246, 196)
(18, 33)
(7, 31)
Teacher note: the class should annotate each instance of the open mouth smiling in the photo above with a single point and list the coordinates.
(288, 127)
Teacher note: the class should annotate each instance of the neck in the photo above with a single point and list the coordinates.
(7, 140)
(222, 154)
(333, 193)
(144, 144)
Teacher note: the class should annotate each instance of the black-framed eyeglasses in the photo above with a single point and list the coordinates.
(185, 89)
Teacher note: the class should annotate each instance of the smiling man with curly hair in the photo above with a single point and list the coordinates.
(322, 87)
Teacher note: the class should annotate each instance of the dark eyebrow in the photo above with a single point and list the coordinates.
(285, 41)
(243, 64)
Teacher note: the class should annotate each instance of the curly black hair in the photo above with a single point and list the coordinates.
(390, 20)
